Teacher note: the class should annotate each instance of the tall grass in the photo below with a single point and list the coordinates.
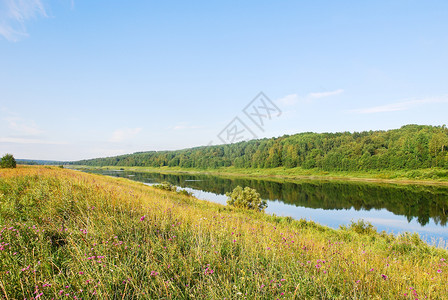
(65, 234)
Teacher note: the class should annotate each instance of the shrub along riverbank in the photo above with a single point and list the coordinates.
(66, 233)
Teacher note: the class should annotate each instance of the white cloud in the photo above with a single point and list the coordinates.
(293, 99)
(23, 131)
(183, 126)
(325, 94)
(29, 141)
(15, 13)
(21, 126)
(289, 100)
(400, 106)
(120, 135)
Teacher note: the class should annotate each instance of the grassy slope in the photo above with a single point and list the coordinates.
(68, 233)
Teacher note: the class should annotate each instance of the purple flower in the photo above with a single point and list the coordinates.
(142, 218)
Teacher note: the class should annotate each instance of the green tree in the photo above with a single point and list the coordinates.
(247, 198)
(8, 161)
(410, 147)
(438, 143)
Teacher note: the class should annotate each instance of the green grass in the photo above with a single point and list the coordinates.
(66, 234)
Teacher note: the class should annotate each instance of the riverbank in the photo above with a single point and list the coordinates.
(433, 176)
(76, 234)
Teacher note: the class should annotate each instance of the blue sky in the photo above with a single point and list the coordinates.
(84, 79)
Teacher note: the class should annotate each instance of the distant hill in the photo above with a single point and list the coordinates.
(39, 162)
(410, 147)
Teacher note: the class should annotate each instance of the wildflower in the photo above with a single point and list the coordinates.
(208, 271)
(384, 276)
(439, 271)
(142, 218)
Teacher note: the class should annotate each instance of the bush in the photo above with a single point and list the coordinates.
(360, 227)
(246, 198)
(166, 186)
(8, 161)
(185, 193)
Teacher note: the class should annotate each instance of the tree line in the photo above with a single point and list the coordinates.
(408, 148)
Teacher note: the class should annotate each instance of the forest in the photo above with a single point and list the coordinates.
(407, 148)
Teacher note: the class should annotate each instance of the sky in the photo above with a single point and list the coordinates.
(86, 79)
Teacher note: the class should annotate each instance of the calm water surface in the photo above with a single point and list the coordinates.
(391, 207)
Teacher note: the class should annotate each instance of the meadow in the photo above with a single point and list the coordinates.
(67, 234)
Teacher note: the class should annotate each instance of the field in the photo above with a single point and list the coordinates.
(67, 234)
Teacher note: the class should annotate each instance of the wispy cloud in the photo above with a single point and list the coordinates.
(293, 99)
(325, 94)
(15, 13)
(400, 106)
(14, 140)
(289, 100)
(183, 126)
(123, 134)
(22, 126)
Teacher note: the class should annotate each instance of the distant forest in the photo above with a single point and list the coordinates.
(410, 147)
